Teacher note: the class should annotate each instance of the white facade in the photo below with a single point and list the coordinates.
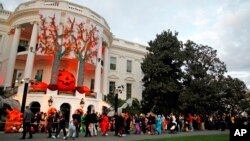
(21, 27)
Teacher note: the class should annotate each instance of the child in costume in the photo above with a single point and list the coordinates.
(137, 124)
(83, 123)
(158, 124)
(71, 131)
(104, 124)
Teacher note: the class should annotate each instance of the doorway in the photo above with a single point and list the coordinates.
(65, 108)
(35, 107)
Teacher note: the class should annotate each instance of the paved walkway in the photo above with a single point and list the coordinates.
(111, 137)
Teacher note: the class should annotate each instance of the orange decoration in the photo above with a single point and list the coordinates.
(51, 110)
(66, 81)
(13, 122)
(38, 87)
(83, 89)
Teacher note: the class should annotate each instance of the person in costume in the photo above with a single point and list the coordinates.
(143, 123)
(104, 124)
(137, 124)
(71, 131)
(83, 123)
(158, 124)
(49, 124)
(62, 126)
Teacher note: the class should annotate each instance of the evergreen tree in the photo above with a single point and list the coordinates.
(234, 96)
(162, 73)
(202, 80)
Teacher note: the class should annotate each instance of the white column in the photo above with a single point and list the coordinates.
(31, 52)
(97, 88)
(105, 71)
(12, 57)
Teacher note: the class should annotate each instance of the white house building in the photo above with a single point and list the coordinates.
(19, 30)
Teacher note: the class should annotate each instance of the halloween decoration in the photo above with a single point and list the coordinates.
(20, 130)
(38, 87)
(50, 43)
(66, 81)
(51, 110)
(14, 104)
(13, 122)
(83, 89)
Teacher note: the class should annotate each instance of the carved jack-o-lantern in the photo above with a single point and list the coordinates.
(39, 87)
(66, 81)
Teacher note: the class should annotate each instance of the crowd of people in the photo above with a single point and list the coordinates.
(124, 124)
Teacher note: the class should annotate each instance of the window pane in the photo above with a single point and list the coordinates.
(111, 87)
(92, 85)
(112, 63)
(39, 75)
(129, 66)
(1, 42)
(129, 90)
(23, 45)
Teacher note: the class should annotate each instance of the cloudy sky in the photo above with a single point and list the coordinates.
(223, 25)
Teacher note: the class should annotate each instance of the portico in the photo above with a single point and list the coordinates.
(21, 61)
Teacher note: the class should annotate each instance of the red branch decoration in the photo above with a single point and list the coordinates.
(80, 38)
(82, 42)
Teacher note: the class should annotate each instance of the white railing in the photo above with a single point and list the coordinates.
(49, 3)
(4, 14)
(129, 43)
(65, 5)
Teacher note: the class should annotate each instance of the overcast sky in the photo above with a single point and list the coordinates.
(221, 24)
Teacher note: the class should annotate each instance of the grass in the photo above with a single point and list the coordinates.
(194, 138)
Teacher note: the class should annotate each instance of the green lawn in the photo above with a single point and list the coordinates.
(194, 138)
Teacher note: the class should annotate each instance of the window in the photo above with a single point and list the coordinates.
(39, 75)
(129, 66)
(1, 41)
(17, 76)
(23, 45)
(112, 63)
(129, 90)
(111, 87)
(92, 85)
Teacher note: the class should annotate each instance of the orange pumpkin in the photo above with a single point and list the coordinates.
(66, 81)
(83, 89)
(39, 87)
